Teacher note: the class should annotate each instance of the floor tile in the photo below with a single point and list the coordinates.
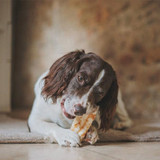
(47, 152)
(129, 151)
(107, 151)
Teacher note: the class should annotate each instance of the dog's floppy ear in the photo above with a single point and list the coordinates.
(60, 74)
(108, 105)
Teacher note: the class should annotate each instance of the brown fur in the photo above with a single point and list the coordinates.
(60, 74)
(108, 106)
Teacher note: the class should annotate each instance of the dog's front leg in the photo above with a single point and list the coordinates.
(64, 137)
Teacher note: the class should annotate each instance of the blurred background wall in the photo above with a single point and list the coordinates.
(125, 33)
(5, 55)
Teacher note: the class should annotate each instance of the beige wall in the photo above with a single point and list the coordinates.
(125, 33)
(5, 55)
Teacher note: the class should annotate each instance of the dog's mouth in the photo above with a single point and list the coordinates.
(64, 111)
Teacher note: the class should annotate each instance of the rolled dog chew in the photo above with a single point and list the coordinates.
(81, 124)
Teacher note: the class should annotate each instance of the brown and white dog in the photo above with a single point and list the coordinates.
(75, 85)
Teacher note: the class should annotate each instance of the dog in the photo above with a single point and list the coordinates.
(77, 84)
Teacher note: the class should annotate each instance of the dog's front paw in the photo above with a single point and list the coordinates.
(92, 135)
(66, 137)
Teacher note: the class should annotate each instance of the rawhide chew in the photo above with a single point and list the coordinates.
(81, 124)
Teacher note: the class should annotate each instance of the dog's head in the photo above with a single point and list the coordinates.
(83, 82)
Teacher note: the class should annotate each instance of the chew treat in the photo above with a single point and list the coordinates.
(81, 124)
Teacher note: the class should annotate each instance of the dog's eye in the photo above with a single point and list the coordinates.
(80, 79)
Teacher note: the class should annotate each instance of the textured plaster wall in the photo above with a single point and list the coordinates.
(125, 33)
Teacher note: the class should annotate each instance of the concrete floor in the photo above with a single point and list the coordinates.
(107, 151)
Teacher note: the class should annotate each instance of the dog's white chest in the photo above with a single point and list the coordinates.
(53, 113)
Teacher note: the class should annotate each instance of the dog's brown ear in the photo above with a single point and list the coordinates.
(108, 105)
(60, 74)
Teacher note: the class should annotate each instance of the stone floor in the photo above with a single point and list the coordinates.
(107, 151)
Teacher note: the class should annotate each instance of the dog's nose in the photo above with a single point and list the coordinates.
(79, 110)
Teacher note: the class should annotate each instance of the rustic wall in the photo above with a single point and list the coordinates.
(5, 55)
(125, 33)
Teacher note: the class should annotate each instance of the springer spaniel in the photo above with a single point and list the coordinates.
(76, 84)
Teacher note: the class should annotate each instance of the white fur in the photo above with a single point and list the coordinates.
(47, 118)
(85, 97)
